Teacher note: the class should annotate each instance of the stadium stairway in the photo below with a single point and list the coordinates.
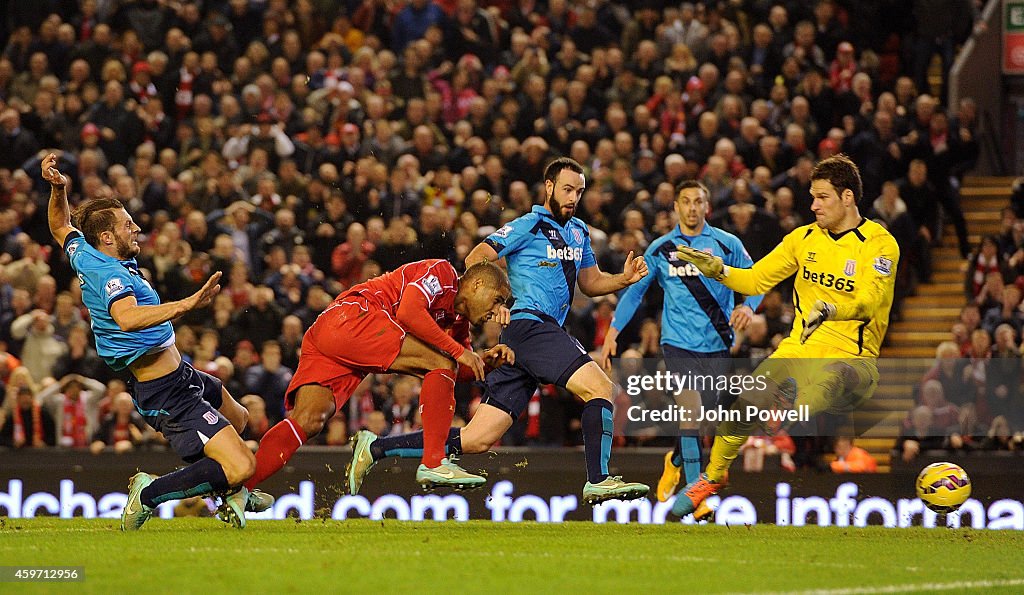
(926, 320)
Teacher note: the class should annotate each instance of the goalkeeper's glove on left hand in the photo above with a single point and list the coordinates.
(709, 265)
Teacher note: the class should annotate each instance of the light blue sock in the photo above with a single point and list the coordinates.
(689, 448)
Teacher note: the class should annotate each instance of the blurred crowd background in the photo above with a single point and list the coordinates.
(301, 147)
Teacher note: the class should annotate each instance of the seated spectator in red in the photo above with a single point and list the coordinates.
(73, 403)
(348, 258)
(123, 428)
(986, 274)
(26, 424)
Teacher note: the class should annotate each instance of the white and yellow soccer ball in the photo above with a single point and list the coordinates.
(943, 487)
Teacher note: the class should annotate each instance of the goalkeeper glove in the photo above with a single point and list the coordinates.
(709, 265)
(820, 312)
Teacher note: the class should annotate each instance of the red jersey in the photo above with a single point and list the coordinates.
(436, 284)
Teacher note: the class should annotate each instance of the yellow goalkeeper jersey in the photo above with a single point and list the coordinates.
(855, 270)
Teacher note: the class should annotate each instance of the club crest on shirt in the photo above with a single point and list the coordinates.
(851, 268)
(883, 265)
(577, 235)
(114, 286)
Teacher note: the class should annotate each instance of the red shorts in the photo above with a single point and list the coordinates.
(350, 339)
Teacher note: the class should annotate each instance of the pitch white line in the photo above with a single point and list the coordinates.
(954, 586)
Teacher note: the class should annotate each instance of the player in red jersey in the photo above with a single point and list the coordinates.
(413, 320)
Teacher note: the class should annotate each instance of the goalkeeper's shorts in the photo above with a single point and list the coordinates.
(826, 380)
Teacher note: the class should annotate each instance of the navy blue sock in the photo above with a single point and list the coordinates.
(689, 451)
(597, 438)
(198, 479)
(677, 454)
(410, 446)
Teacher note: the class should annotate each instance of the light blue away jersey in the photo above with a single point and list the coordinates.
(696, 310)
(544, 259)
(105, 280)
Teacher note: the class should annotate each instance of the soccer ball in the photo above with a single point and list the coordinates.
(943, 487)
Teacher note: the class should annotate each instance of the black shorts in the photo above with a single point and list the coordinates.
(545, 354)
(715, 364)
(183, 407)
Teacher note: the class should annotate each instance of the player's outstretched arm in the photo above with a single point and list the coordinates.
(758, 279)
(58, 212)
(594, 282)
(130, 316)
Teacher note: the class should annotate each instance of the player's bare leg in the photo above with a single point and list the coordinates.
(591, 384)
(233, 411)
(257, 501)
(239, 464)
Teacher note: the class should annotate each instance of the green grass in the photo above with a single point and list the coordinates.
(204, 556)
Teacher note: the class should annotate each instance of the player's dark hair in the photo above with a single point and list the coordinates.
(95, 217)
(555, 167)
(842, 173)
(492, 274)
(687, 184)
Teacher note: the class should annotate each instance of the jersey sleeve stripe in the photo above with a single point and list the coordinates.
(498, 246)
(71, 236)
(120, 296)
(430, 300)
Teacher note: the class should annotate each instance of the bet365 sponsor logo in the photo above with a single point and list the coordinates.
(828, 280)
(566, 253)
(683, 270)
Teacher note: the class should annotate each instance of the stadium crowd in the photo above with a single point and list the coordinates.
(972, 394)
(301, 147)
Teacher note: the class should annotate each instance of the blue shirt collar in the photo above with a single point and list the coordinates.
(544, 212)
(705, 231)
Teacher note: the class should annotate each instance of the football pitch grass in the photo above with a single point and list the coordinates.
(205, 556)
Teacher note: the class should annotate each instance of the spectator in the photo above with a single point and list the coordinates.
(41, 349)
(986, 273)
(120, 129)
(73, 403)
(920, 436)
(401, 409)
(123, 428)
(852, 459)
(258, 423)
(269, 379)
(1007, 313)
(412, 21)
(17, 143)
(24, 423)
(1003, 377)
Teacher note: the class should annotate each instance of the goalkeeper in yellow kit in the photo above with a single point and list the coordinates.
(845, 271)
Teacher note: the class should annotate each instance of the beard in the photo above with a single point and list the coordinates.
(126, 250)
(556, 210)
